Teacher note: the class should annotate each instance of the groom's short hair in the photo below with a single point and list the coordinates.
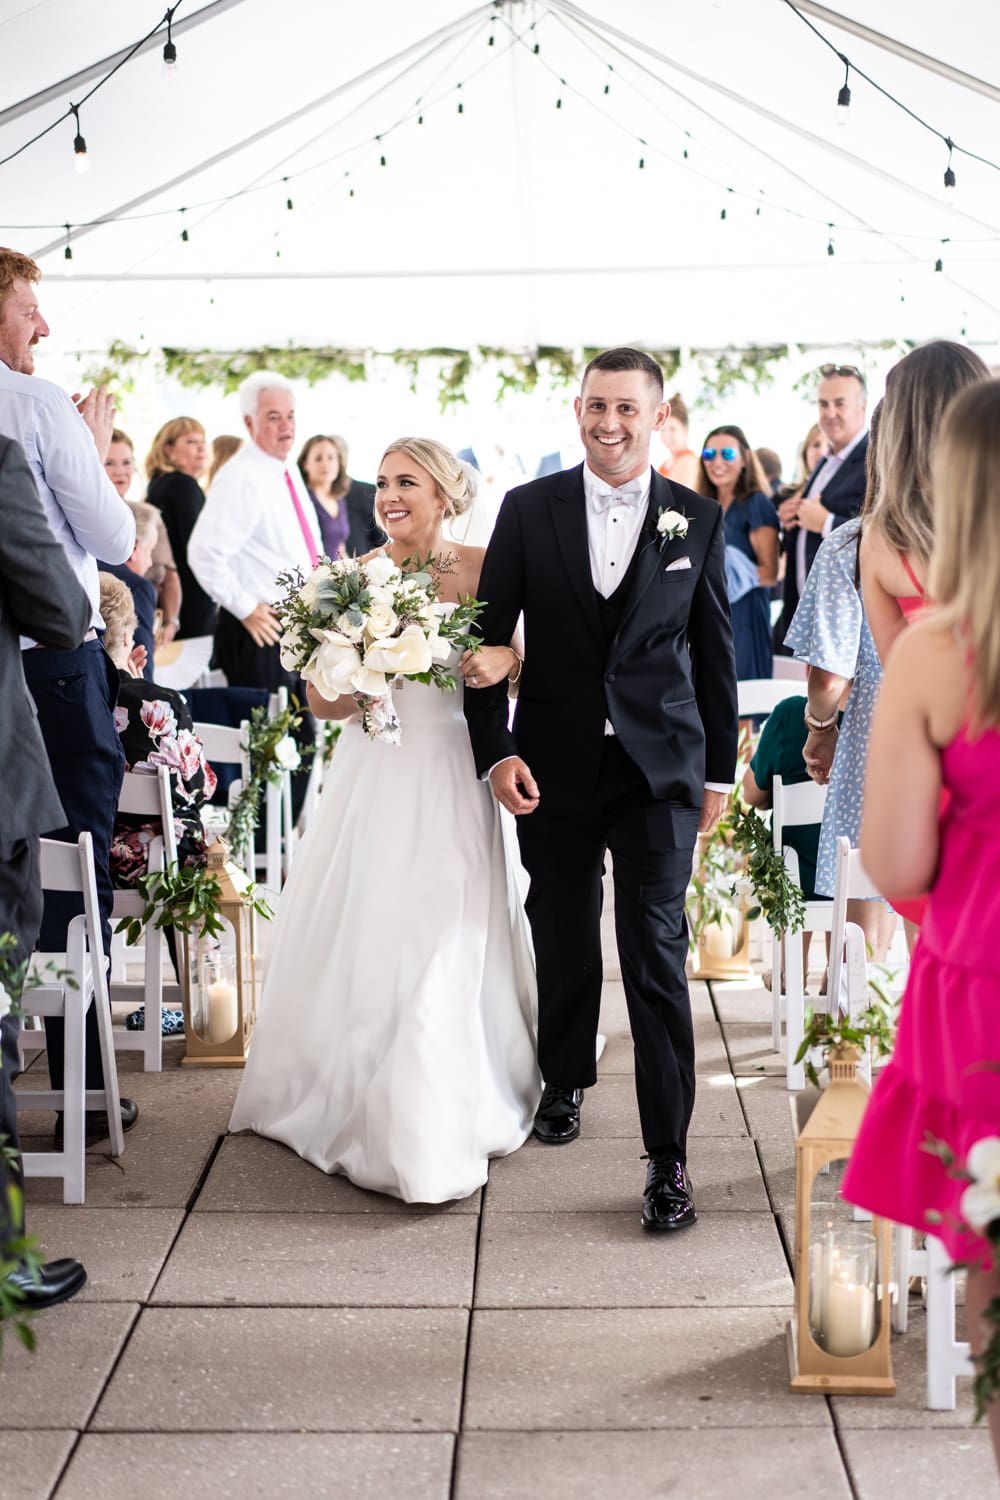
(627, 359)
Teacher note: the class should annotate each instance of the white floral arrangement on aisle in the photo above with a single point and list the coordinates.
(358, 626)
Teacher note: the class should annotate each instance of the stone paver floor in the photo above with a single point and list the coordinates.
(252, 1328)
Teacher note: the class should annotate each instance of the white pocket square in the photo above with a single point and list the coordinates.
(677, 564)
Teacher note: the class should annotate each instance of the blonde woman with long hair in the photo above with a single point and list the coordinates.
(937, 727)
(175, 464)
(898, 532)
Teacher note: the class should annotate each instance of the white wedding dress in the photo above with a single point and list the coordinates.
(396, 1035)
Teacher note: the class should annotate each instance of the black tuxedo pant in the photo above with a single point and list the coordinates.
(249, 665)
(20, 914)
(75, 693)
(651, 845)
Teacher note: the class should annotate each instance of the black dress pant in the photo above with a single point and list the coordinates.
(20, 914)
(75, 694)
(651, 845)
(248, 665)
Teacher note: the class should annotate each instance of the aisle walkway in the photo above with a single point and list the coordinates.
(252, 1328)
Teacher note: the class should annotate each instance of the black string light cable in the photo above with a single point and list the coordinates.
(74, 109)
(918, 119)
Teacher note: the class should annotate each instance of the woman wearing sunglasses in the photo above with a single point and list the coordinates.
(729, 471)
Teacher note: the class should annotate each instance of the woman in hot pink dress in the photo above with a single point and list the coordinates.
(937, 725)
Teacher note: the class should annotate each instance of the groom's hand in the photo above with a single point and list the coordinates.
(514, 786)
(713, 805)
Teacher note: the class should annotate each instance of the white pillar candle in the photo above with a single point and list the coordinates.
(849, 1324)
(220, 1005)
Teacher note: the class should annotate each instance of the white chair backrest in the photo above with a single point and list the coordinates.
(851, 883)
(795, 805)
(224, 743)
(70, 867)
(759, 695)
(790, 670)
(145, 794)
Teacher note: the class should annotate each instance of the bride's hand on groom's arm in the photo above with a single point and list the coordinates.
(514, 786)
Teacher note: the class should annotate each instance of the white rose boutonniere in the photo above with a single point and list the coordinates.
(670, 524)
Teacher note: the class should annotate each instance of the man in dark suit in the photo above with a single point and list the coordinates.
(836, 487)
(40, 596)
(624, 739)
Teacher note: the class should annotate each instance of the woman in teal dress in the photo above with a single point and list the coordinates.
(729, 471)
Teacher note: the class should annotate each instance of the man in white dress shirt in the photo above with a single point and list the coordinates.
(74, 691)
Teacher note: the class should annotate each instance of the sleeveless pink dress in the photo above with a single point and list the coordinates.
(944, 1076)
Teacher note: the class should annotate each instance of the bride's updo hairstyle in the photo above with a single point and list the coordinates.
(457, 481)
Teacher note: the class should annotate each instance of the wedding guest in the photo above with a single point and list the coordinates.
(73, 690)
(223, 448)
(163, 575)
(322, 465)
(174, 465)
(937, 726)
(132, 573)
(681, 462)
(258, 521)
(41, 595)
(770, 463)
(156, 728)
(835, 488)
(364, 534)
(729, 472)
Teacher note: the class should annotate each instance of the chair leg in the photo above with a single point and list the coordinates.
(946, 1359)
(775, 992)
(902, 1245)
(76, 1002)
(795, 1011)
(152, 1038)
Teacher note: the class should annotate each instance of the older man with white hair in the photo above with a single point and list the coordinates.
(255, 523)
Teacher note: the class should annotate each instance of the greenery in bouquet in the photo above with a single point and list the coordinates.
(354, 627)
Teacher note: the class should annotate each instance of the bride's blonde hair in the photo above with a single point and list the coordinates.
(964, 577)
(456, 480)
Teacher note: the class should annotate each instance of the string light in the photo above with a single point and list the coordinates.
(607, 86)
(844, 97)
(79, 144)
(169, 50)
(289, 205)
(68, 254)
(185, 237)
(949, 174)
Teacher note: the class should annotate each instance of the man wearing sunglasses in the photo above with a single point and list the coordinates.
(835, 489)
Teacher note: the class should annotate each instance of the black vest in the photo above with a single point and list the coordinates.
(611, 610)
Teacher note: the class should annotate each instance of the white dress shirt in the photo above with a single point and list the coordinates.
(248, 531)
(86, 513)
(829, 466)
(614, 522)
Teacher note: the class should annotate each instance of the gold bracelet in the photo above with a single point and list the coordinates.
(520, 666)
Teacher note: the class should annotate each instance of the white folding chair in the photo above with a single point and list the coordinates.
(276, 857)
(760, 695)
(226, 745)
(790, 670)
(148, 796)
(795, 806)
(70, 867)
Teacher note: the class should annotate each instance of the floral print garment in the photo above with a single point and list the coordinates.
(156, 729)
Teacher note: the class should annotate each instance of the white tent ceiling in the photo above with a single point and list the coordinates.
(513, 222)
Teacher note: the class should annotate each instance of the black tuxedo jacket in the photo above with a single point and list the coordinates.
(40, 596)
(668, 681)
(843, 496)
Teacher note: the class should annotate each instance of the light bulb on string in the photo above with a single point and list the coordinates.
(607, 86)
(939, 264)
(844, 97)
(289, 205)
(830, 248)
(185, 237)
(461, 106)
(949, 171)
(68, 255)
(169, 50)
(82, 160)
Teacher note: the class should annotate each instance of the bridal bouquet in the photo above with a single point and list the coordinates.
(356, 627)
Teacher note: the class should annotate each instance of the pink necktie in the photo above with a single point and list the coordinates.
(306, 532)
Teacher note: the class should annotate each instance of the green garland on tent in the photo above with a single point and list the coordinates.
(517, 371)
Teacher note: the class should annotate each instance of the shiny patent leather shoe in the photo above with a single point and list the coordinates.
(56, 1281)
(667, 1203)
(558, 1118)
(96, 1123)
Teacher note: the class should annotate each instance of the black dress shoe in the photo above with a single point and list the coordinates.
(56, 1281)
(96, 1123)
(667, 1203)
(558, 1118)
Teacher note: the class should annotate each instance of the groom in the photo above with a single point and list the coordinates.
(624, 739)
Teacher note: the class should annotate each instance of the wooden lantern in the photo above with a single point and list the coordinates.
(838, 1340)
(221, 977)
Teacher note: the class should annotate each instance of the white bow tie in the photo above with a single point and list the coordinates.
(628, 494)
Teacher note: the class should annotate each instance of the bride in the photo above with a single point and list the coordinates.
(395, 1042)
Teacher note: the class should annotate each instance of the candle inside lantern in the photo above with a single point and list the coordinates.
(849, 1323)
(221, 1011)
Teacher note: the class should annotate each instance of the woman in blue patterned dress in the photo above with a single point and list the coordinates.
(729, 471)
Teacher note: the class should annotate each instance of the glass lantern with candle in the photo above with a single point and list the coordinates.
(220, 973)
(838, 1341)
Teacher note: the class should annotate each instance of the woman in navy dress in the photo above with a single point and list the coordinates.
(729, 471)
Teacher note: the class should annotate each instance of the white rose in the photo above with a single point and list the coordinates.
(439, 645)
(381, 621)
(980, 1203)
(286, 753)
(346, 626)
(672, 523)
(408, 652)
(381, 570)
(380, 595)
(332, 664)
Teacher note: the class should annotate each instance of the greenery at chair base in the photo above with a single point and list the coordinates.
(264, 739)
(186, 897)
(874, 1029)
(18, 1251)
